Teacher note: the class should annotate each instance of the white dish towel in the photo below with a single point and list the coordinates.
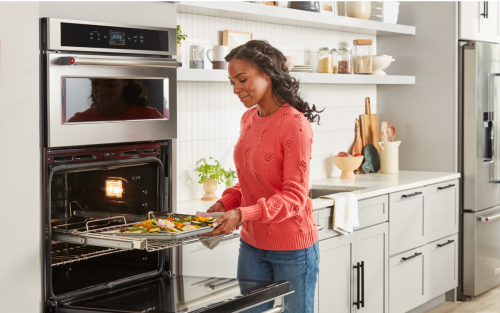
(345, 212)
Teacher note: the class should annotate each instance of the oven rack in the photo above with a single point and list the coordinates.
(66, 253)
(95, 237)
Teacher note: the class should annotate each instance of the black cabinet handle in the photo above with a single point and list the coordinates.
(444, 244)
(358, 268)
(363, 282)
(413, 256)
(485, 9)
(446, 187)
(411, 195)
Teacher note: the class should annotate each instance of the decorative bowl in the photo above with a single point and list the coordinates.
(380, 63)
(348, 165)
(290, 61)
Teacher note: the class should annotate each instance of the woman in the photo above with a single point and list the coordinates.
(272, 156)
(117, 99)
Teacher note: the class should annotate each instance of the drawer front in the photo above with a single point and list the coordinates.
(441, 210)
(198, 260)
(406, 220)
(325, 220)
(373, 211)
(406, 280)
(441, 263)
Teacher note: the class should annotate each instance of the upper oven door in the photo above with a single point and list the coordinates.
(105, 99)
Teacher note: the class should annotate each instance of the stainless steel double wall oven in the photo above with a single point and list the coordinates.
(109, 95)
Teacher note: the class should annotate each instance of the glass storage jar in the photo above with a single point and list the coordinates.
(335, 55)
(345, 61)
(325, 64)
(363, 51)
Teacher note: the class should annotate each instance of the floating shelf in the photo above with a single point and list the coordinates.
(285, 16)
(221, 76)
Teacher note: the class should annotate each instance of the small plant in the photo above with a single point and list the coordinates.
(215, 171)
(230, 176)
(180, 36)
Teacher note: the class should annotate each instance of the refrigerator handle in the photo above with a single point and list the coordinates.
(485, 9)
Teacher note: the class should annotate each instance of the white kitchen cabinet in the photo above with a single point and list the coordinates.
(441, 266)
(406, 280)
(373, 211)
(337, 288)
(336, 274)
(372, 249)
(441, 210)
(222, 262)
(479, 21)
(406, 220)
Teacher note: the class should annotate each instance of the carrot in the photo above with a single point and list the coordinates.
(178, 225)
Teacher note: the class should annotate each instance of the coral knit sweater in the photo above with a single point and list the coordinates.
(272, 160)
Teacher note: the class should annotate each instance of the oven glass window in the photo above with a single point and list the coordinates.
(110, 99)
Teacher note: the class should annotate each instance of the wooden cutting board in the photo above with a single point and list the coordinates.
(369, 127)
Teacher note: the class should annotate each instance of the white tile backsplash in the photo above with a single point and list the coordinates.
(209, 113)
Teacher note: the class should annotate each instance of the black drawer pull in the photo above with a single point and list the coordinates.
(444, 244)
(446, 187)
(413, 256)
(411, 195)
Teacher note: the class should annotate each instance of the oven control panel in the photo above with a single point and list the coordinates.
(110, 37)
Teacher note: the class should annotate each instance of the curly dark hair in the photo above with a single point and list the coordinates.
(135, 93)
(272, 62)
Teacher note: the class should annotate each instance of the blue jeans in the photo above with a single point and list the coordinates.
(299, 267)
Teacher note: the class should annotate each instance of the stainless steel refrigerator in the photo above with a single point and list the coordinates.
(479, 158)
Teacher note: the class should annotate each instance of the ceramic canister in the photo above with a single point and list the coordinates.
(389, 157)
(196, 56)
(218, 55)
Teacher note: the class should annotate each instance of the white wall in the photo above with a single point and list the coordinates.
(20, 196)
(424, 114)
(209, 113)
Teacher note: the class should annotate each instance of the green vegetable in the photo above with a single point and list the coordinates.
(134, 228)
(154, 222)
(144, 231)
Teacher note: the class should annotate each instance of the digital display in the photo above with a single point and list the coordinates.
(116, 38)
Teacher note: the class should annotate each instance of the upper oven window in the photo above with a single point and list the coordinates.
(99, 99)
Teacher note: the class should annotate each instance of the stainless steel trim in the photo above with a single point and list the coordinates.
(488, 218)
(105, 219)
(54, 35)
(266, 301)
(168, 63)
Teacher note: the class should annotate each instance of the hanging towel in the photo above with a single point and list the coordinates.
(211, 242)
(345, 212)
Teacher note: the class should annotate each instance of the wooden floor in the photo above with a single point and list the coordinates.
(488, 302)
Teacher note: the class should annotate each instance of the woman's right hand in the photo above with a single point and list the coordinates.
(217, 207)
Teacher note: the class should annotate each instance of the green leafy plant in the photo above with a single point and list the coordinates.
(180, 36)
(215, 171)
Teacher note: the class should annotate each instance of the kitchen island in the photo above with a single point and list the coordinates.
(403, 256)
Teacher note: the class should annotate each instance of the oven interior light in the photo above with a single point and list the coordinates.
(114, 188)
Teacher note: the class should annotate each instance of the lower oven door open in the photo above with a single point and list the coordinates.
(191, 294)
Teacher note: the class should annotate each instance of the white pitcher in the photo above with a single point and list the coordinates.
(389, 157)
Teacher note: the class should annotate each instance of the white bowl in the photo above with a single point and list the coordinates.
(380, 63)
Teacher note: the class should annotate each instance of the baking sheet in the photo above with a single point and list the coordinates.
(168, 235)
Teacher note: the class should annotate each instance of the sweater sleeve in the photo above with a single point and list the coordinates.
(296, 142)
(231, 197)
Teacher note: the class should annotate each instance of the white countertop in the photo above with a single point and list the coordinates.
(372, 185)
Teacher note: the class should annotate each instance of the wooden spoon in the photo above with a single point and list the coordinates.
(392, 132)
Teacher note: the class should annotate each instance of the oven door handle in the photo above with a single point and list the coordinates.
(117, 62)
(488, 218)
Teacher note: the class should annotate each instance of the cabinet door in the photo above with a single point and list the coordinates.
(441, 264)
(406, 280)
(406, 220)
(372, 248)
(336, 274)
(441, 210)
(470, 19)
(198, 260)
(373, 211)
(489, 25)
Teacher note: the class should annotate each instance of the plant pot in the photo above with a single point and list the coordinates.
(178, 55)
(210, 186)
(359, 9)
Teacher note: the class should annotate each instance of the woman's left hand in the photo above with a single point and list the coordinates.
(226, 223)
